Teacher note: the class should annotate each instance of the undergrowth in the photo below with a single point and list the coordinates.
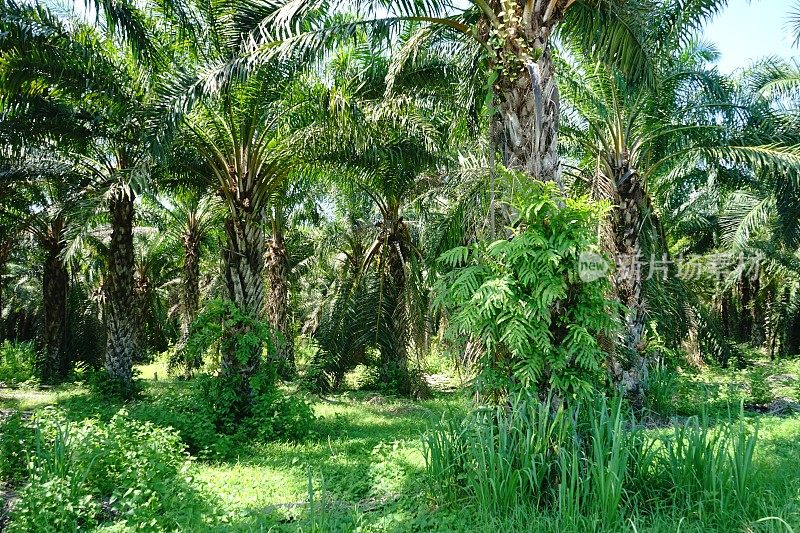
(79, 475)
(590, 464)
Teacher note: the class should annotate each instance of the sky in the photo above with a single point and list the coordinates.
(747, 30)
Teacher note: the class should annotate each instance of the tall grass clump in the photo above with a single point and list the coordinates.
(709, 468)
(586, 463)
(662, 385)
(534, 453)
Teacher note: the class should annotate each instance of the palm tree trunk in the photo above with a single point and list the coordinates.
(725, 312)
(793, 336)
(394, 357)
(190, 291)
(278, 312)
(745, 317)
(244, 264)
(190, 295)
(54, 292)
(630, 207)
(142, 318)
(527, 91)
(758, 319)
(121, 345)
(5, 251)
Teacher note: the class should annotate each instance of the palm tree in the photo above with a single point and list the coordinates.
(105, 75)
(509, 44)
(239, 126)
(341, 314)
(55, 280)
(45, 194)
(291, 202)
(633, 138)
(190, 222)
(240, 139)
(757, 212)
(386, 151)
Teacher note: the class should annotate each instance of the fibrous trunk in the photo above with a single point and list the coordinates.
(526, 87)
(5, 251)
(190, 284)
(630, 207)
(758, 317)
(54, 292)
(244, 264)
(745, 319)
(394, 353)
(121, 344)
(394, 357)
(145, 335)
(278, 313)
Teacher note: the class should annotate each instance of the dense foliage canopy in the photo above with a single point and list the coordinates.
(560, 198)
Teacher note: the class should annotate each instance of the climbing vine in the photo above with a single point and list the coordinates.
(523, 299)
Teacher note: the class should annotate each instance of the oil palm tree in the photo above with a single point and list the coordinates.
(635, 139)
(387, 151)
(191, 218)
(293, 204)
(239, 126)
(89, 101)
(757, 216)
(42, 207)
(49, 226)
(510, 45)
(240, 138)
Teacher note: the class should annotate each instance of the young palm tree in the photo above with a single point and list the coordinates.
(55, 282)
(757, 213)
(42, 207)
(387, 151)
(289, 204)
(240, 139)
(190, 222)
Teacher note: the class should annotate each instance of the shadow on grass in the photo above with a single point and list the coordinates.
(389, 497)
(360, 452)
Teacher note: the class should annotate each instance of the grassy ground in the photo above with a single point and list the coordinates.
(363, 467)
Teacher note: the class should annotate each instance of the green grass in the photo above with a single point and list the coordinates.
(363, 467)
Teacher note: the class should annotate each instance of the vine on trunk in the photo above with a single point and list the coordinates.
(528, 301)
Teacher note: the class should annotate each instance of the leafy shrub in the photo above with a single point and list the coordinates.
(522, 296)
(183, 410)
(56, 497)
(222, 323)
(198, 412)
(109, 387)
(17, 363)
(760, 389)
(277, 416)
(271, 414)
(82, 473)
(55, 504)
(244, 407)
(16, 436)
